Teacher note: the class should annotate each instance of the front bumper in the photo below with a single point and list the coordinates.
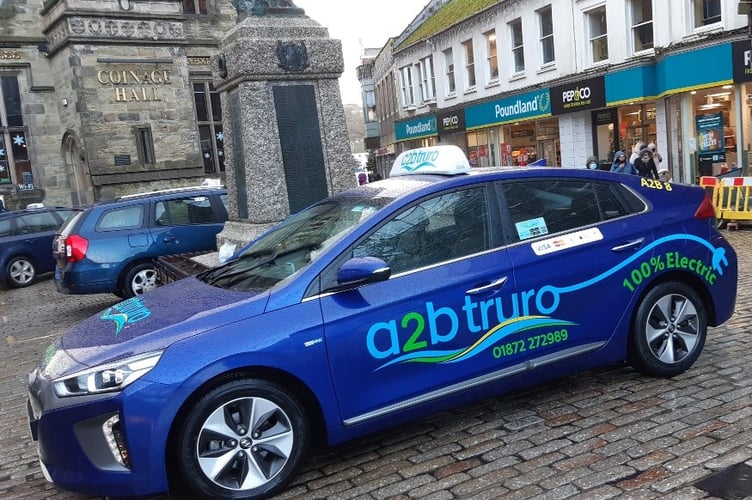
(82, 441)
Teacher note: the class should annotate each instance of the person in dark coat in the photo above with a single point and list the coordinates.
(622, 165)
(645, 164)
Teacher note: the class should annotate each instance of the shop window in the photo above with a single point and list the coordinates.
(546, 22)
(637, 125)
(520, 144)
(449, 71)
(15, 166)
(715, 130)
(605, 139)
(469, 64)
(406, 80)
(483, 148)
(642, 24)
(195, 7)
(209, 121)
(597, 34)
(706, 12)
(518, 52)
(493, 57)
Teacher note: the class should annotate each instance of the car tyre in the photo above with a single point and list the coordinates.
(669, 330)
(140, 279)
(20, 272)
(244, 439)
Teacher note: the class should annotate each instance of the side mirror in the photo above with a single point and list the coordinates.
(361, 270)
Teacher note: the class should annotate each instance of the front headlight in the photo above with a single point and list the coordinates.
(106, 378)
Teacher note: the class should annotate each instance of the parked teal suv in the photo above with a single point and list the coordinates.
(111, 247)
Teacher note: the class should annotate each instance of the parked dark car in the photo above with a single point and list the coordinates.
(111, 247)
(25, 239)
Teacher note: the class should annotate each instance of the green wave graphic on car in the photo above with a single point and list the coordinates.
(485, 342)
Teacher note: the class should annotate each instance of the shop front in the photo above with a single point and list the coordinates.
(703, 111)
(578, 98)
(515, 130)
(696, 119)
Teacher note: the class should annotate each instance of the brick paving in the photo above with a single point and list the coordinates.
(607, 433)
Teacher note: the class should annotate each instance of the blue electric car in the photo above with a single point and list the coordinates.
(397, 299)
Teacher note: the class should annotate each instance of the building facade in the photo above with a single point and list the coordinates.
(555, 82)
(104, 98)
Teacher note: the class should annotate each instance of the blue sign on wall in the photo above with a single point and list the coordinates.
(536, 104)
(425, 126)
(670, 75)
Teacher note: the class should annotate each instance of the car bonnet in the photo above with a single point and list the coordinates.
(145, 323)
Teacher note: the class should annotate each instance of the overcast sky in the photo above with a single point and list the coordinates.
(359, 24)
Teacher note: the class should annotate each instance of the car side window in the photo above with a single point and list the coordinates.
(548, 206)
(442, 228)
(129, 217)
(5, 227)
(37, 223)
(182, 211)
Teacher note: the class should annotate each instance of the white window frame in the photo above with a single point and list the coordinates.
(493, 56)
(449, 72)
(470, 77)
(517, 45)
(597, 38)
(407, 92)
(427, 79)
(641, 24)
(544, 37)
(697, 7)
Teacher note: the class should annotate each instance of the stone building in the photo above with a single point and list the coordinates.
(99, 99)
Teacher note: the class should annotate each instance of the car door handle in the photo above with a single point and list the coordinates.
(494, 285)
(170, 239)
(629, 245)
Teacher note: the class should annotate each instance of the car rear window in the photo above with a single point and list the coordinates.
(37, 223)
(129, 217)
(181, 211)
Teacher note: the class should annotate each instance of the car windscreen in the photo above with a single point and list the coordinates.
(293, 244)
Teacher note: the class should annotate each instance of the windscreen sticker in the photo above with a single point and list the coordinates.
(567, 241)
(531, 228)
(417, 337)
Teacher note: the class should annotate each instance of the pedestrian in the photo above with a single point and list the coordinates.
(621, 165)
(592, 163)
(664, 175)
(645, 165)
(657, 158)
(639, 146)
(2, 206)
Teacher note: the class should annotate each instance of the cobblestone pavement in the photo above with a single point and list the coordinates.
(601, 434)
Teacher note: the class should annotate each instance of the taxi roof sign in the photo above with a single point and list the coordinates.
(445, 160)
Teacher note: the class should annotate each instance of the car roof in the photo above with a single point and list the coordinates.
(24, 211)
(162, 192)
